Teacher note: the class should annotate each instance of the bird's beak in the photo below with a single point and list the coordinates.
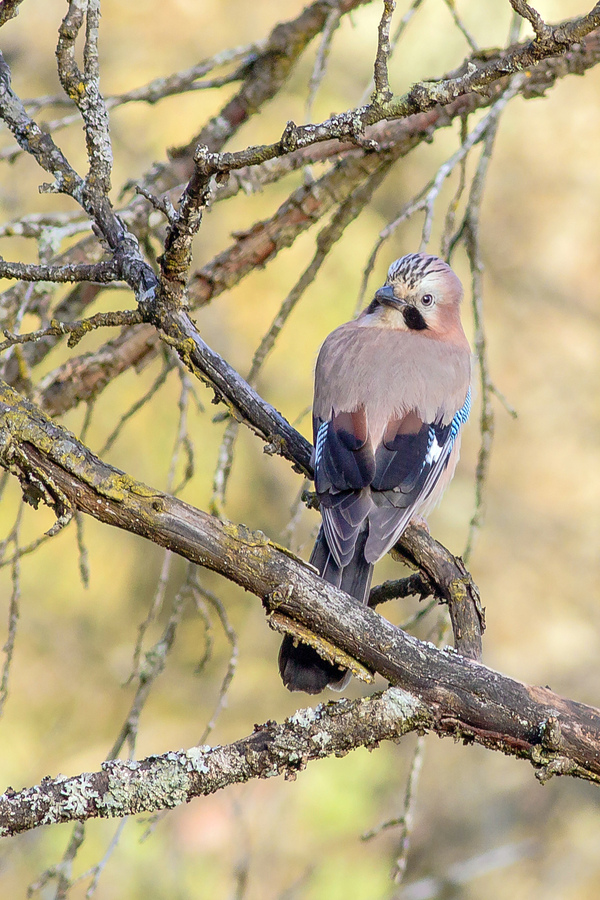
(386, 296)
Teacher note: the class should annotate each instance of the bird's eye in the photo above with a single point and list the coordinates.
(427, 300)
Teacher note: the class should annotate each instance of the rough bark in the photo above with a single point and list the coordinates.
(449, 694)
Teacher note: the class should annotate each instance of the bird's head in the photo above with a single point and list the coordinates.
(421, 294)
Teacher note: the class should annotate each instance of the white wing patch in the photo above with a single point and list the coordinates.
(434, 452)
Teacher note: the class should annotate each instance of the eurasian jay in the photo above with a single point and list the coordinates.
(392, 391)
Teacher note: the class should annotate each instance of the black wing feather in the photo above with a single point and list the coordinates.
(399, 462)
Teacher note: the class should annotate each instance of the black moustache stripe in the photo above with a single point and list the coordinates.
(413, 318)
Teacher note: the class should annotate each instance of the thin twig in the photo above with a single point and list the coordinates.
(412, 783)
(296, 511)
(462, 873)
(424, 200)
(406, 818)
(139, 404)
(451, 4)
(177, 83)
(26, 550)
(415, 584)
(153, 665)
(62, 871)
(320, 66)
(32, 225)
(182, 439)
(382, 91)
(13, 607)
(393, 43)
(97, 870)
(231, 636)
(469, 233)
(84, 561)
(542, 31)
(452, 209)
(75, 330)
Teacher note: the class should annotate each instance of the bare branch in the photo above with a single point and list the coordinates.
(421, 98)
(393, 43)
(445, 692)
(101, 273)
(542, 31)
(461, 697)
(408, 812)
(84, 90)
(169, 85)
(91, 194)
(264, 76)
(451, 4)
(382, 93)
(152, 667)
(232, 638)
(14, 606)
(8, 10)
(332, 23)
(75, 330)
(35, 141)
(261, 243)
(163, 782)
(413, 585)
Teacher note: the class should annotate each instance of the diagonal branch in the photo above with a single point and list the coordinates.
(53, 466)
(129, 787)
(8, 10)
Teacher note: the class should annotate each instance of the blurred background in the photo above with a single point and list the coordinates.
(483, 826)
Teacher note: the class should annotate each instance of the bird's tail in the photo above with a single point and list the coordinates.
(301, 667)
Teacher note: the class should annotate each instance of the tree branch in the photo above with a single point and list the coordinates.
(128, 787)
(542, 31)
(101, 273)
(462, 698)
(382, 92)
(75, 330)
(8, 10)
(263, 241)
(479, 78)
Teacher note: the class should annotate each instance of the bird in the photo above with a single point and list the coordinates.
(392, 393)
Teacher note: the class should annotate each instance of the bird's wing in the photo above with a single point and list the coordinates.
(344, 469)
(409, 464)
